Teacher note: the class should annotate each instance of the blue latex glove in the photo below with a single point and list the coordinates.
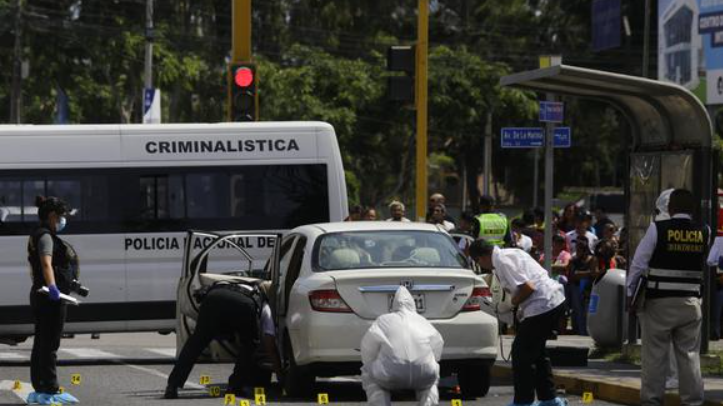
(53, 293)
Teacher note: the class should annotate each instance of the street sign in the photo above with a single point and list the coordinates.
(534, 137)
(551, 112)
(563, 137)
(522, 137)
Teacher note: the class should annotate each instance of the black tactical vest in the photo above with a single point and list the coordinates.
(676, 267)
(65, 261)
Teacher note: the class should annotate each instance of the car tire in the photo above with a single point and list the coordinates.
(474, 381)
(299, 380)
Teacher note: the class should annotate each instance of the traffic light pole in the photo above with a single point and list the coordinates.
(421, 99)
(241, 31)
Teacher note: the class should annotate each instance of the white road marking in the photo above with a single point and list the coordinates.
(12, 356)
(88, 353)
(160, 374)
(21, 393)
(167, 352)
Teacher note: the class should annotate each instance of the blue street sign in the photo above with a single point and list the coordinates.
(522, 137)
(551, 112)
(563, 137)
(534, 137)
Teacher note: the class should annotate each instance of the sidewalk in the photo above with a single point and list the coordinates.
(614, 382)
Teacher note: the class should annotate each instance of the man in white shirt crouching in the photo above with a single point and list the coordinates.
(540, 301)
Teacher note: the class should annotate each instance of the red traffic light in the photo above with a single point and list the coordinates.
(243, 77)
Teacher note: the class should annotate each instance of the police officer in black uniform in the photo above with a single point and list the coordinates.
(668, 267)
(230, 310)
(54, 266)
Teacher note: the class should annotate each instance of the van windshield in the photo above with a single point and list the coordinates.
(387, 249)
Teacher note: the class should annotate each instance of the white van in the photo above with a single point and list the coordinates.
(137, 189)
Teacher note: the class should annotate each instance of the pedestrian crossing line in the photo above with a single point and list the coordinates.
(89, 353)
(21, 393)
(8, 356)
(168, 352)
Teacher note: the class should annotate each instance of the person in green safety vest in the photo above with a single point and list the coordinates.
(491, 226)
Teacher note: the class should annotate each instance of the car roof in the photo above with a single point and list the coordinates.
(347, 226)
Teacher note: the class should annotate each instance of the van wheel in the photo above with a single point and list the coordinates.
(299, 380)
(474, 381)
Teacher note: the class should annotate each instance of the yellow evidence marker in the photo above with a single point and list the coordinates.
(260, 399)
(214, 391)
(17, 385)
(259, 390)
(244, 402)
(75, 379)
(323, 398)
(229, 399)
(205, 380)
(61, 390)
(456, 402)
(587, 398)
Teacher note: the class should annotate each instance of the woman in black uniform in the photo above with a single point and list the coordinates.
(51, 263)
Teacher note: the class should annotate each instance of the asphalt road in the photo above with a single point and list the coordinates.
(131, 369)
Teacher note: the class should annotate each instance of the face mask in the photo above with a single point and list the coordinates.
(60, 225)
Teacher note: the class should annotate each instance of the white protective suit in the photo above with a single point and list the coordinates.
(401, 350)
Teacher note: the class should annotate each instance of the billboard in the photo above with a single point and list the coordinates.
(690, 46)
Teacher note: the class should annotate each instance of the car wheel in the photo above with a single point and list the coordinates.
(474, 381)
(298, 380)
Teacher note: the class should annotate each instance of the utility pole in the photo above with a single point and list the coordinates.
(549, 176)
(148, 76)
(488, 155)
(646, 41)
(241, 31)
(16, 97)
(421, 97)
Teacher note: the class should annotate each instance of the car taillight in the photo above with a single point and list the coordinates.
(328, 300)
(475, 300)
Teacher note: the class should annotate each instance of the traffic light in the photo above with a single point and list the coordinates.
(401, 87)
(243, 94)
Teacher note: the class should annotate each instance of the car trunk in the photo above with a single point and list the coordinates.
(438, 293)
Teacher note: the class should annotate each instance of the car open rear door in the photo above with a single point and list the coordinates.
(208, 258)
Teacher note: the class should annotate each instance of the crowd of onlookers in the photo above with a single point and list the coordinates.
(584, 244)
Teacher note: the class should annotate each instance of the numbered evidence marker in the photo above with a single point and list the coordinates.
(456, 402)
(323, 398)
(205, 380)
(260, 399)
(61, 390)
(17, 385)
(229, 399)
(259, 391)
(244, 402)
(587, 398)
(75, 379)
(214, 391)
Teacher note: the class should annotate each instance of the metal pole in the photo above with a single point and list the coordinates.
(536, 179)
(646, 41)
(421, 93)
(549, 163)
(16, 98)
(241, 31)
(148, 76)
(488, 154)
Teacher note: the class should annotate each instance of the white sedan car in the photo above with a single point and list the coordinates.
(331, 281)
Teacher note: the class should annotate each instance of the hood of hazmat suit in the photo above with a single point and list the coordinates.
(401, 349)
(661, 205)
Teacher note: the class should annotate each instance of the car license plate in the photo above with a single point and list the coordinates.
(418, 301)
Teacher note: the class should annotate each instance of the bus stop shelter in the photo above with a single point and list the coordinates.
(669, 141)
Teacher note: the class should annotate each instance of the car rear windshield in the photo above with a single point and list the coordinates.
(387, 249)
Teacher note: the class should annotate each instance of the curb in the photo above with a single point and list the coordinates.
(601, 389)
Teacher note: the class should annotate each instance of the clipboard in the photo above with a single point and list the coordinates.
(65, 298)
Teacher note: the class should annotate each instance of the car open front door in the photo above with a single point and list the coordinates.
(209, 258)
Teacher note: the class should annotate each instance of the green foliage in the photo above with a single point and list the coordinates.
(323, 60)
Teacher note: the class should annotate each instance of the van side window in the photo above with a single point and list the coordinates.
(161, 197)
(10, 203)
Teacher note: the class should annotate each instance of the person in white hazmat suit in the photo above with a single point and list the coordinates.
(401, 350)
